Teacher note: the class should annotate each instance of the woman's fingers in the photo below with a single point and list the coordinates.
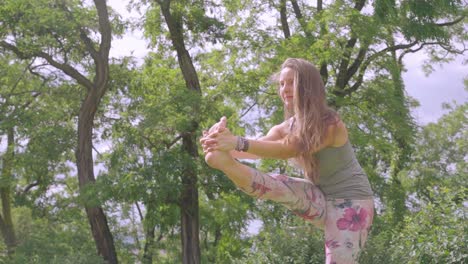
(216, 138)
(222, 123)
(213, 135)
(210, 141)
(208, 137)
(202, 140)
(219, 125)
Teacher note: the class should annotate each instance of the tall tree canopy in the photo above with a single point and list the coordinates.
(133, 125)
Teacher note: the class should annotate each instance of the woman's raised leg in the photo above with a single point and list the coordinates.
(240, 174)
(299, 195)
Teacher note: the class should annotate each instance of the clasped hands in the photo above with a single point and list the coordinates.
(218, 137)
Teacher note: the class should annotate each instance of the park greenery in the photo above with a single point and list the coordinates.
(99, 155)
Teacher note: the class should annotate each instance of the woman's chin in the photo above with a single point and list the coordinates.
(289, 107)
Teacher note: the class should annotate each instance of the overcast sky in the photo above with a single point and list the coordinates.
(444, 85)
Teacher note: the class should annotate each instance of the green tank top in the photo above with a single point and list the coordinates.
(341, 176)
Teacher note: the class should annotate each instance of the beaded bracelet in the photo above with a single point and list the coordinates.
(242, 144)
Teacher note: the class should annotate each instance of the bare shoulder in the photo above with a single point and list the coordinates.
(338, 134)
(277, 132)
(284, 128)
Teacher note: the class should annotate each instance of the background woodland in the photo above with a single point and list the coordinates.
(99, 155)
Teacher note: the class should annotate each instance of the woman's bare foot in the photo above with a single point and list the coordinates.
(219, 159)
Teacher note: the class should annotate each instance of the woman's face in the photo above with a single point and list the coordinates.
(286, 81)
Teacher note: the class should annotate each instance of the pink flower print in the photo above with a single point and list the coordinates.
(352, 220)
(311, 195)
(263, 189)
(332, 244)
(307, 215)
(281, 178)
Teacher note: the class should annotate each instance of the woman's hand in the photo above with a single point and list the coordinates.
(222, 140)
(216, 127)
(207, 134)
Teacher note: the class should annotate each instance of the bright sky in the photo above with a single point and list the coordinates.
(444, 85)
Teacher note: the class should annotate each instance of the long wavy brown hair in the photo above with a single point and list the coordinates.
(311, 116)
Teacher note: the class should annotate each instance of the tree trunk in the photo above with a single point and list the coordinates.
(84, 163)
(397, 192)
(149, 245)
(284, 20)
(149, 229)
(189, 207)
(300, 19)
(323, 32)
(189, 195)
(84, 155)
(6, 222)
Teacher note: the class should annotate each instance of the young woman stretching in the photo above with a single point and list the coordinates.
(335, 194)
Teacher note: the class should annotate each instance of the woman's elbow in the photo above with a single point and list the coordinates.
(284, 155)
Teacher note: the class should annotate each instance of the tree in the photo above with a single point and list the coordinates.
(35, 122)
(18, 91)
(357, 47)
(181, 19)
(61, 34)
(436, 180)
(189, 195)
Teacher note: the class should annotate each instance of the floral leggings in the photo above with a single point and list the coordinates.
(346, 222)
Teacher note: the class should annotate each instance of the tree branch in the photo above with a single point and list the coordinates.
(167, 144)
(170, 144)
(83, 34)
(300, 18)
(67, 69)
(29, 187)
(248, 109)
(367, 62)
(102, 59)
(89, 45)
(451, 23)
(357, 62)
(343, 69)
(284, 20)
(345, 73)
(104, 28)
(139, 211)
(359, 4)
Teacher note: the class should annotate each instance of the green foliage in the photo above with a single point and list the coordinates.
(39, 112)
(435, 227)
(224, 218)
(59, 239)
(437, 233)
(197, 19)
(440, 159)
(290, 241)
(149, 109)
(37, 24)
(378, 120)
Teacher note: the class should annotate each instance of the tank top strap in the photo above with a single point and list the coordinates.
(291, 123)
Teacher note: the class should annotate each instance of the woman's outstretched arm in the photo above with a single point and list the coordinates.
(274, 145)
(265, 147)
(276, 133)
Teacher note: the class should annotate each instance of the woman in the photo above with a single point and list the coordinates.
(335, 194)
